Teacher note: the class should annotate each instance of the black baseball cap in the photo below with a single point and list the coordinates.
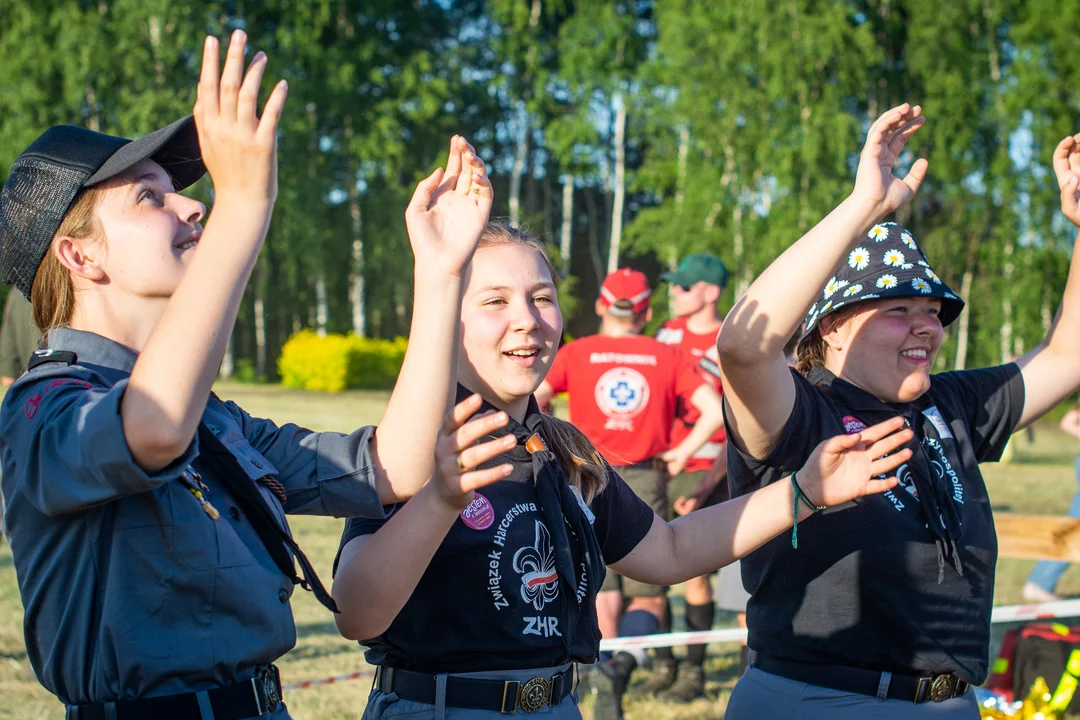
(47, 176)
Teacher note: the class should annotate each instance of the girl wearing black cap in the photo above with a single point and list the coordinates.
(476, 604)
(884, 609)
(146, 516)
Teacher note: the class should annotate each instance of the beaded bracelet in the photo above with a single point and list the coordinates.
(799, 495)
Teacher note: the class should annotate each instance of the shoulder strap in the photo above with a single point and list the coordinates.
(46, 356)
(225, 467)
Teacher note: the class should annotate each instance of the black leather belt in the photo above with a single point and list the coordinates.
(507, 696)
(935, 688)
(258, 695)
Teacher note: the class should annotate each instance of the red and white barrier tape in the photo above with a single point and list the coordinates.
(1040, 611)
(1002, 614)
(329, 681)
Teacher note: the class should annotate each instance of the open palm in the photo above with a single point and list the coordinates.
(846, 467)
(874, 181)
(1067, 170)
(449, 210)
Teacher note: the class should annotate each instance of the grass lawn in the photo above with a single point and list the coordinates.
(1039, 480)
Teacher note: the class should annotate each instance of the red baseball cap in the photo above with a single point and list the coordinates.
(625, 292)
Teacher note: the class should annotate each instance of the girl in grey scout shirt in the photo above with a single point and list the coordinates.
(884, 609)
(475, 604)
(147, 517)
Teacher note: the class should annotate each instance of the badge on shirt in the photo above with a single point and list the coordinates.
(584, 508)
(479, 515)
(934, 416)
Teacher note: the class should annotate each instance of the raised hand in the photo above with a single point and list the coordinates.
(449, 210)
(1067, 169)
(846, 467)
(456, 452)
(875, 183)
(238, 148)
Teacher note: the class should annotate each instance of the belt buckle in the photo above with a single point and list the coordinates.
(271, 685)
(530, 697)
(534, 694)
(938, 688)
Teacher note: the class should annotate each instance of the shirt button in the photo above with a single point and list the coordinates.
(234, 513)
(283, 595)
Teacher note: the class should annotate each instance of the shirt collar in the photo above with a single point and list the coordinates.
(93, 349)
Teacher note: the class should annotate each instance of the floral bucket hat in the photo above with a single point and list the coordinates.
(886, 264)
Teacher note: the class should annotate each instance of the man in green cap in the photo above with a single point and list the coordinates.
(696, 287)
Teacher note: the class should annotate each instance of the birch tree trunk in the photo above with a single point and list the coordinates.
(567, 230)
(620, 182)
(356, 274)
(260, 318)
(322, 311)
(520, 154)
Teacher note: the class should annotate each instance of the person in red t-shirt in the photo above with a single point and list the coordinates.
(625, 390)
(696, 287)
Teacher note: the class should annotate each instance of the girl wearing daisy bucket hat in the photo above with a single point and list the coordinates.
(883, 609)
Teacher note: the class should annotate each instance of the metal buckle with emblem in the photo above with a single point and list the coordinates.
(941, 688)
(271, 682)
(535, 694)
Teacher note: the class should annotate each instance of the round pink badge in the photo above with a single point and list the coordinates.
(480, 514)
(853, 425)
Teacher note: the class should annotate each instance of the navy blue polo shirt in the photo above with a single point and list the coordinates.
(130, 589)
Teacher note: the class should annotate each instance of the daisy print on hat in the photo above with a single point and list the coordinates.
(878, 233)
(833, 286)
(906, 238)
(893, 258)
(886, 282)
(933, 276)
(921, 285)
(859, 259)
(854, 289)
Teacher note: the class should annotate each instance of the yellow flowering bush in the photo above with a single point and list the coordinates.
(334, 363)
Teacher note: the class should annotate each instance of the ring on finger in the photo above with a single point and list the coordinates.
(461, 464)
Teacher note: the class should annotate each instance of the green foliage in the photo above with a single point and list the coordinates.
(744, 120)
(334, 363)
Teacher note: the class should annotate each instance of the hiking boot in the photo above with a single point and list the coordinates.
(663, 676)
(689, 687)
(609, 680)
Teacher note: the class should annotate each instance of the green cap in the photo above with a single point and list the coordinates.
(702, 267)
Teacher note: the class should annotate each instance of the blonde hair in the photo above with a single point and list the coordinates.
(52, 295)
(583, 464)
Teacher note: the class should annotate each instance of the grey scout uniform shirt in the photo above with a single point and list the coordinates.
(130, 589)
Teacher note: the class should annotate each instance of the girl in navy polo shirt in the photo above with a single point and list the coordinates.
(884, 609)
(476, 603)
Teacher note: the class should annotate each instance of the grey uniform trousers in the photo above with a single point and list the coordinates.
(759, 694)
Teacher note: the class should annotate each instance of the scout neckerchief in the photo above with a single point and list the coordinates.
(226, 468)
(565, 519)
(937, 502)
(271, 532)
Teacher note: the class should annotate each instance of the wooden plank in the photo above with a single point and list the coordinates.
(1038, 537)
